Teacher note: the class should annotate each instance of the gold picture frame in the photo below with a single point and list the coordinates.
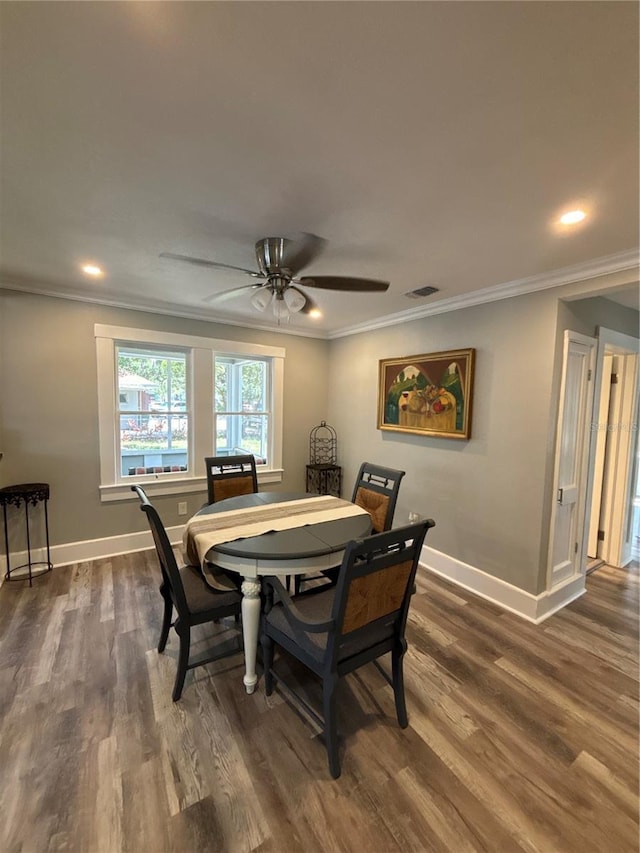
(428, 394)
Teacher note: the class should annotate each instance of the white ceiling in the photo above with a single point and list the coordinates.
(429, 143)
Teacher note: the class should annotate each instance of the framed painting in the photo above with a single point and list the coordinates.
(429, 394)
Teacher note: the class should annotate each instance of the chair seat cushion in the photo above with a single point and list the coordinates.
(200, 597)
(318, 608)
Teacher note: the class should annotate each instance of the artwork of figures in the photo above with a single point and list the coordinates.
(427, 394)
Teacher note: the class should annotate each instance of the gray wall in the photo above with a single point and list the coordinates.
(485, 494)
(49, 414)
(490, 496)
(585, 315)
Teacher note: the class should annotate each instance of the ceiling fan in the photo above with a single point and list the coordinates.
(280, 260)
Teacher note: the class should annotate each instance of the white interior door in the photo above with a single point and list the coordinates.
(572, 446)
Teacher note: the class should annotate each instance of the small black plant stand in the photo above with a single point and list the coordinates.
(29, 493)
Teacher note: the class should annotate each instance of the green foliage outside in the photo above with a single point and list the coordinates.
(169, 378)
(150, 444)
(252, 384)
(168, 374)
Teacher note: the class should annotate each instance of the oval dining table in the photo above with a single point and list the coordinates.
(298, 550)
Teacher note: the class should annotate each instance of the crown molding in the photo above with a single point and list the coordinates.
(154, 307)
(621, 262)
(627, 261)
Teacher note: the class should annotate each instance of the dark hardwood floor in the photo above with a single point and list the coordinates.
(520, 738)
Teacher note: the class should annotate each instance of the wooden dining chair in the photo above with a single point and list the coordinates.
(229, 476)
(186, 590)
(348, 625)
(376, 490)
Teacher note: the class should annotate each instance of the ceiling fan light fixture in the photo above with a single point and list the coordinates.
(294, 300)
(261, 299)
(280, 307)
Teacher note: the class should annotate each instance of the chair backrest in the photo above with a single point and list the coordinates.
(166, 557)
(376, 490)
(374, 590)
(229, 476)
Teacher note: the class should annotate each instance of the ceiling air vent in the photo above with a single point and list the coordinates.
(422, 291)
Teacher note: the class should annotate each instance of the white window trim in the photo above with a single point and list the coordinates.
(201, 436)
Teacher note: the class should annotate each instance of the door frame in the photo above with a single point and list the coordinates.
(609, 341)
(617, 497)
(600, 416)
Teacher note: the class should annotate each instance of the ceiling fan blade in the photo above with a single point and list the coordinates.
(299, 254)
(201, 262)
(223, 295)
(335, 282)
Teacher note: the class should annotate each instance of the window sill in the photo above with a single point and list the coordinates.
(161, 484)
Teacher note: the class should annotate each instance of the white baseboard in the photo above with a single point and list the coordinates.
(533, 608)
(92, 549)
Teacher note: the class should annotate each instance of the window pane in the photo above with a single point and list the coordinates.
(151, 380)
(252, 379)
(254, 435)
(222, 439)
(151, 389)
(243, 434)
(242, 416)
(222, 384)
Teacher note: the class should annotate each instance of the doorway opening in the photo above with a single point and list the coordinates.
(614, 520)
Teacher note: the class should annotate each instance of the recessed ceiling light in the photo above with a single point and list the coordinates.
(315, 313)
(92, 270)
(572, 217)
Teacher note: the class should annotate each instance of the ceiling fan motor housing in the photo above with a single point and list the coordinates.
(271, 256)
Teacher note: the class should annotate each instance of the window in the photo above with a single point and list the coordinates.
(166, 401)
(152, 418)
(241, 416)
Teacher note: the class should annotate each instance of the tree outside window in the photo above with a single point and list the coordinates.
(241, 415)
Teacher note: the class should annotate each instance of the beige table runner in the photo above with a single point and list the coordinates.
(203, 532)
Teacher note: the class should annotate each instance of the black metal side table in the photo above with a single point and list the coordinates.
(324, 479)
(29, 493)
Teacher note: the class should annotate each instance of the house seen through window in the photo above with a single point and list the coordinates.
(153, 416)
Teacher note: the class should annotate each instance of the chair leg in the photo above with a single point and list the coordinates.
(397, 675)
(267, 662)
(332, 575)
(329, 685)
(166, 619)
(184, 632)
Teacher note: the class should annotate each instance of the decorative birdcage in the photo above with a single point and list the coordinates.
(324, 475)
(323, 445)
